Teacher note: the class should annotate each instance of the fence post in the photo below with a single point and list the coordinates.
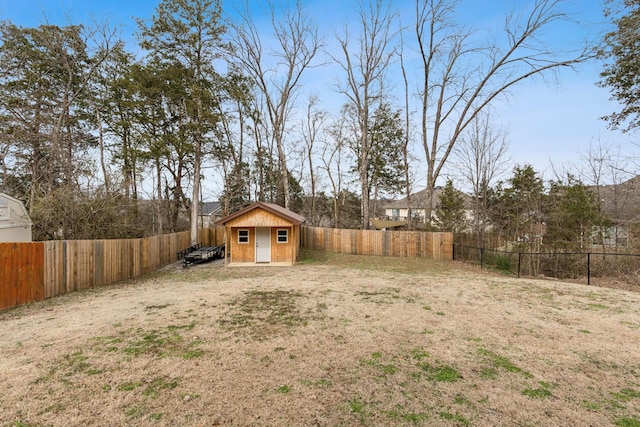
(453, 250)
(588, 268)
(519, 259)
(482, 257)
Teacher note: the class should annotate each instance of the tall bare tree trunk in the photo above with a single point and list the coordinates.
(159, 210)
(460, 80)
(195, 198)
(103, 165)
(297, 44)
(365, 72)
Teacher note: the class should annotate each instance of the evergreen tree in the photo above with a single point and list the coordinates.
(451, 210)
(45, 73)
(517, 211)
(621, 75)
(187, 35)
(573, 217)
(386, 169)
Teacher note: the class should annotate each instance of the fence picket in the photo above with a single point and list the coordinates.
(34, 271)
(37, 270)
(21, 273)
(381, 243)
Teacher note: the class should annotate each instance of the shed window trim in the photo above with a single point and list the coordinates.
(282, 235)
(243, 236)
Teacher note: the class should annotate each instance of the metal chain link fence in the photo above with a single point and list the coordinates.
(609, 270)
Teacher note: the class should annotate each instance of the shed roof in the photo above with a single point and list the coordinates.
(269, 207)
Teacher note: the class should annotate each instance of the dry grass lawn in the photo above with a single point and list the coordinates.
(333, 341)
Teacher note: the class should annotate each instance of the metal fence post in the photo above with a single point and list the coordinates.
(620, 272)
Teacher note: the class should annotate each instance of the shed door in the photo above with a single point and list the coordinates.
(263, 244)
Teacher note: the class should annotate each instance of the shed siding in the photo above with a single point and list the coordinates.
(243, 252)
(15, 234)
(282, 252)
(259, 218)
(260, 215)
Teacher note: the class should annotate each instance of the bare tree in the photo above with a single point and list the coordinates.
(334, 160)
(606, 169)
(277, 73)
(459, 79)
(406, 156)
(311, 126)
(364, 67)
(480, 157)
(233, 130)
(603, 163)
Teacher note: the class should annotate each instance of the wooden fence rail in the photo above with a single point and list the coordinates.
(417, 244)
(33, 271)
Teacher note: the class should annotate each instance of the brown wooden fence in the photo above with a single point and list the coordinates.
(33, 271)
(21, 273)
(417, 244)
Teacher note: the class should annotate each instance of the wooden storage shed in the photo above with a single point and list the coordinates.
(15, 224)
(262, 233)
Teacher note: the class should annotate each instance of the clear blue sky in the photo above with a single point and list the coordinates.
(547, 122)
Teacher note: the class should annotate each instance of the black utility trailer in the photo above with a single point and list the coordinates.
(190, 249)
(203, 254)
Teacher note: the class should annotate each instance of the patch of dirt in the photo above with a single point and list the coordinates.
(336, 341)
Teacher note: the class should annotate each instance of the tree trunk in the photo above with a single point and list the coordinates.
(195, 199)
(103, 166)
(284, 174)
(159, 203)
(428, 208)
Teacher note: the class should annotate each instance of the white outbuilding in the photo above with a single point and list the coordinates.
(15, 224)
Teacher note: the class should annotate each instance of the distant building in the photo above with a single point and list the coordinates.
(209, 213)
(397, 212)
(621, 204)
(15, 224)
